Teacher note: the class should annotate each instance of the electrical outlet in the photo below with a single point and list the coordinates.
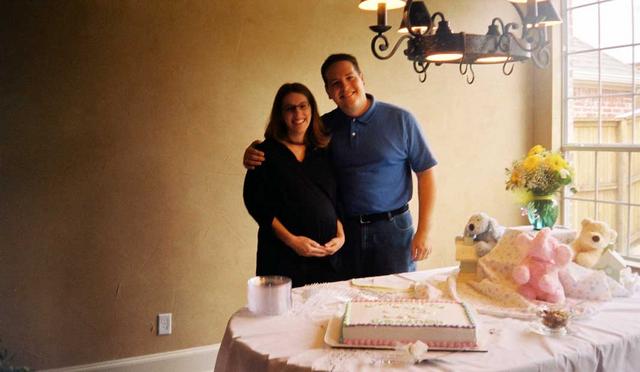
(164, 324)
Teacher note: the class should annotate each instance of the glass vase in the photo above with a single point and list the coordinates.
(542, 212)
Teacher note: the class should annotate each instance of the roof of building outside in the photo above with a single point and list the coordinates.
(584, 66)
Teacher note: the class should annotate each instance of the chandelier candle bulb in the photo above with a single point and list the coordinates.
(373, 4)
(532, 10)
(382, 14)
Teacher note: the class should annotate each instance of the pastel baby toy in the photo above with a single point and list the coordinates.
(426, 291)
(594, 238)
(485, 232)
(537, 275)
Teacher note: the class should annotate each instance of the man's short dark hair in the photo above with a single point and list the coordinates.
(334, 58)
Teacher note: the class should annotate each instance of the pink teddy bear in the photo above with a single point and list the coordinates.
(537, 274)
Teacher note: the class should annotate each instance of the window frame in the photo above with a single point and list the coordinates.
(596, 148)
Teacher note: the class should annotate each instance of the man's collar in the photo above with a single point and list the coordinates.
(364, 118)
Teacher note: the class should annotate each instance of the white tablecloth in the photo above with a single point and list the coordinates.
(607, 341)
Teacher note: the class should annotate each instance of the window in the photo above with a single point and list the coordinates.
(601, 115)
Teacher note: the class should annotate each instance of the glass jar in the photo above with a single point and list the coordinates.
(542, 211)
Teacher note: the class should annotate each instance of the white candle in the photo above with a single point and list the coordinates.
(269, 295)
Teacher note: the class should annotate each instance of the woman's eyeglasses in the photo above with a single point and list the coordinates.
(292, 108)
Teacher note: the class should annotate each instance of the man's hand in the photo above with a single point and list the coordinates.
(420, 246)
(252, 156)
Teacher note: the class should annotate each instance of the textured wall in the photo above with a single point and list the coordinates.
(122, 127)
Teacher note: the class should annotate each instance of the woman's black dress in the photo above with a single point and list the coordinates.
(302, 195)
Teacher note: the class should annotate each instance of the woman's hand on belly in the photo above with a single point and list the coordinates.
(334, 244)
(306, 247)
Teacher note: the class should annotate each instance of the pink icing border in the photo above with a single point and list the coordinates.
(408, 300)
(455, 326)
(436, 344)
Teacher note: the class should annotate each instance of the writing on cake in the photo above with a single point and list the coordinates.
(440, 324)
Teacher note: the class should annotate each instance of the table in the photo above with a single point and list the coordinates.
(607, 341)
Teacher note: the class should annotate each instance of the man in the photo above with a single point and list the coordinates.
(374, 148)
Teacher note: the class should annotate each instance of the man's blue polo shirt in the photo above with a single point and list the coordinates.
(373, 156)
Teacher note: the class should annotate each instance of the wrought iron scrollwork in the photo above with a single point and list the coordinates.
(504, 43)
(420, 67)
(542, 57)
(504, 68)
(466, 70)
(384, 46)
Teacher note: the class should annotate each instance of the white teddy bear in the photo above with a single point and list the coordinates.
(594, 238)
(485, 232)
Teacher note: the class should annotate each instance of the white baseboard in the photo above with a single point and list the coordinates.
(197, 359)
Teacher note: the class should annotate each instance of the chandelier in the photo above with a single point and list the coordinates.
(431, 41)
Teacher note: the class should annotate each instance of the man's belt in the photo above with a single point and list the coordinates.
(370, 218)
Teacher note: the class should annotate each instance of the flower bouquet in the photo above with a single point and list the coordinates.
(536, 179)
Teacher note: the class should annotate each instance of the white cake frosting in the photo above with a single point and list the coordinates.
(443, 324)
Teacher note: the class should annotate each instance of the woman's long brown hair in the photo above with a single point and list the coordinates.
(315, 136)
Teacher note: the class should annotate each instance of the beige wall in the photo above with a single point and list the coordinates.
(547, 95)
(122, 127)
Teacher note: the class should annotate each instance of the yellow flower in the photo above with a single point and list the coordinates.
(556, 162)
(516, 179)
(531, 162)
(535, 150)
